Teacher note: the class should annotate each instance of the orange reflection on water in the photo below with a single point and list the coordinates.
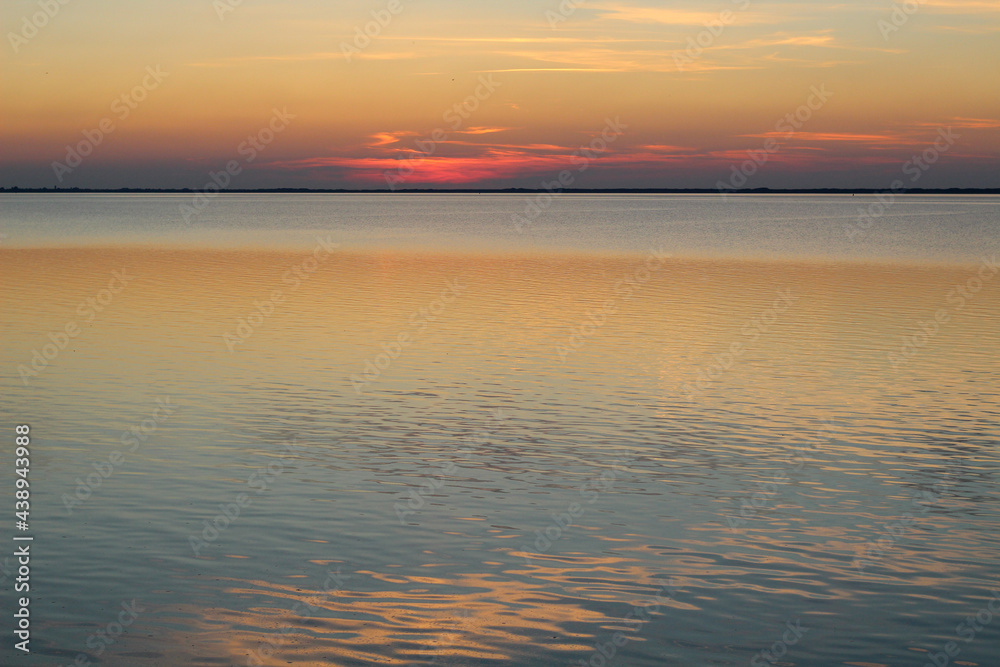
(825, 356)
(485, 622)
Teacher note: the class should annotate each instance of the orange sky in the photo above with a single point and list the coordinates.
(693, 86)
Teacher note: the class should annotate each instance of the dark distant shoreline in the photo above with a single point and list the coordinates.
(638, 191)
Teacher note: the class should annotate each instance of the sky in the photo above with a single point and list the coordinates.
(390, 94)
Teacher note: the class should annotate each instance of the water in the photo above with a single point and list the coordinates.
(915, 228)
(455, 449)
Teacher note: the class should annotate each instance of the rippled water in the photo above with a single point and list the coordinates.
(506, 457)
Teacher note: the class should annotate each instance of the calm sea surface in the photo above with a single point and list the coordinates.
(501, 430)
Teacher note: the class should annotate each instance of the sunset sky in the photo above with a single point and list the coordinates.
(548, 80)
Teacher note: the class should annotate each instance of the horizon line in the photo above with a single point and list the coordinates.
(568, 191)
